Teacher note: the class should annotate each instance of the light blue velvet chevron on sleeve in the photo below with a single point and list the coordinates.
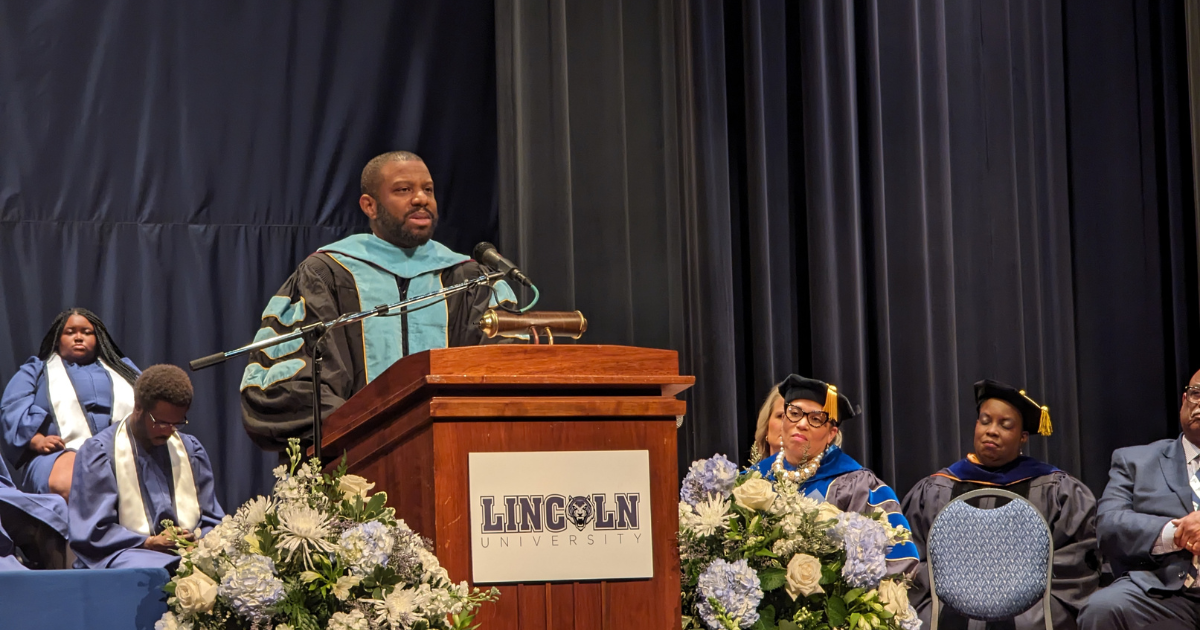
(990, 564)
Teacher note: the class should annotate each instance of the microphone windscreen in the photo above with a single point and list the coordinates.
(480, 250)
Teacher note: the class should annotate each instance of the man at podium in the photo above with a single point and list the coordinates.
(396, 261)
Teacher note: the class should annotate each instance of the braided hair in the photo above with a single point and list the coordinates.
(106, 348)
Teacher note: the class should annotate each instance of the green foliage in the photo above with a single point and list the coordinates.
(299, 611)
(380, 582)
(835, 610)
(772, 578)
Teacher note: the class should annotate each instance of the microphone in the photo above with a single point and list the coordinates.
(486, 254)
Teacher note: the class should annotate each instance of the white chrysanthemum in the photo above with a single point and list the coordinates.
(712, 515)
(402, 607)
(170, 622)
(353, 620)
(303, 529)
(254, 512)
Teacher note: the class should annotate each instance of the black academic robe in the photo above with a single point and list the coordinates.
(283, 410)
(1070, 511)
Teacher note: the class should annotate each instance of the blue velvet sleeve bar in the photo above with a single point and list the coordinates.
(20, 415)
(96, 535)
(884, 498)
(861, 491)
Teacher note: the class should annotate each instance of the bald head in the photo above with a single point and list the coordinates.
(371, 174)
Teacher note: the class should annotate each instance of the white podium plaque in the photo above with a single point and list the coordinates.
(560, 516)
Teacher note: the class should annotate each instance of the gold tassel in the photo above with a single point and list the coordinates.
(831, 402)
(1044, 426)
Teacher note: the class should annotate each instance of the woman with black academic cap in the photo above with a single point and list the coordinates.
(1006, 417)
(809, 456)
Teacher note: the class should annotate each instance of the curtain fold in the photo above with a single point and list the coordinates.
(956, 184)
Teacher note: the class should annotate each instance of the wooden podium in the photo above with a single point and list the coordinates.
(412, 428)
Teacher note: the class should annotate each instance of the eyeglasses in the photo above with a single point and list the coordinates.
(1193, 394)
(794, 414)
(173, 425)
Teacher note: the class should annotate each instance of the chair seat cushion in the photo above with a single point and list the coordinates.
(989, 564)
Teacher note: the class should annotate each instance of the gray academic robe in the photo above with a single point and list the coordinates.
(1070, 511)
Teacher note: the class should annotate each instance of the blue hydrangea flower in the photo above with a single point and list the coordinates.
(715, 475)
(736, 587)
(866, 543)
(252, 587)
(366, 546)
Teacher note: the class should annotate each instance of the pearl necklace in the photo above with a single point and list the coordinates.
(801, 474)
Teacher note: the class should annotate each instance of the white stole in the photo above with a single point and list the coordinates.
(68, 413)
(131, 509)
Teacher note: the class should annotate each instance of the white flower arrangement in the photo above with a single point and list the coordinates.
(322, 552)
(757, 555)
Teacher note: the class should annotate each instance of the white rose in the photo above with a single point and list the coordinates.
(755, 494)
(894, 597)
(827, 511)
(352, 485)
(196, 593)
(803, 576)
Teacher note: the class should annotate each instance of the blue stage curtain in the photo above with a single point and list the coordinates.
(168, 164)
(903, 197)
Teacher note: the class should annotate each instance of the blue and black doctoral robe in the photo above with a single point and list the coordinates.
(845, 484)
(356, 274)
(96, 534)
(1070, 511)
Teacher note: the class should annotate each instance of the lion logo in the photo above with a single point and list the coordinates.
(580, 511)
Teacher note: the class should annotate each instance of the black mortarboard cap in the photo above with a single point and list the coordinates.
(1035, 418)
(796, 387)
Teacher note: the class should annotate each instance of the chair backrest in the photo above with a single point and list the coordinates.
(990, 564)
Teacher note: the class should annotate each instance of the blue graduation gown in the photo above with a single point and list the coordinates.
(24, 411)
(96, 534)
(50, 509)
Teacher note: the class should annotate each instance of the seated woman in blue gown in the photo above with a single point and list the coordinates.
(78, 382)
(810, 457)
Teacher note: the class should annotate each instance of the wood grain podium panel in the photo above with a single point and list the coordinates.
(412, 429)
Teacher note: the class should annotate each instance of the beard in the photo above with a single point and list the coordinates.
(393, 230)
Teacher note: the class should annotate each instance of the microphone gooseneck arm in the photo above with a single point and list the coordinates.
(315, 332)
(344, 320)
